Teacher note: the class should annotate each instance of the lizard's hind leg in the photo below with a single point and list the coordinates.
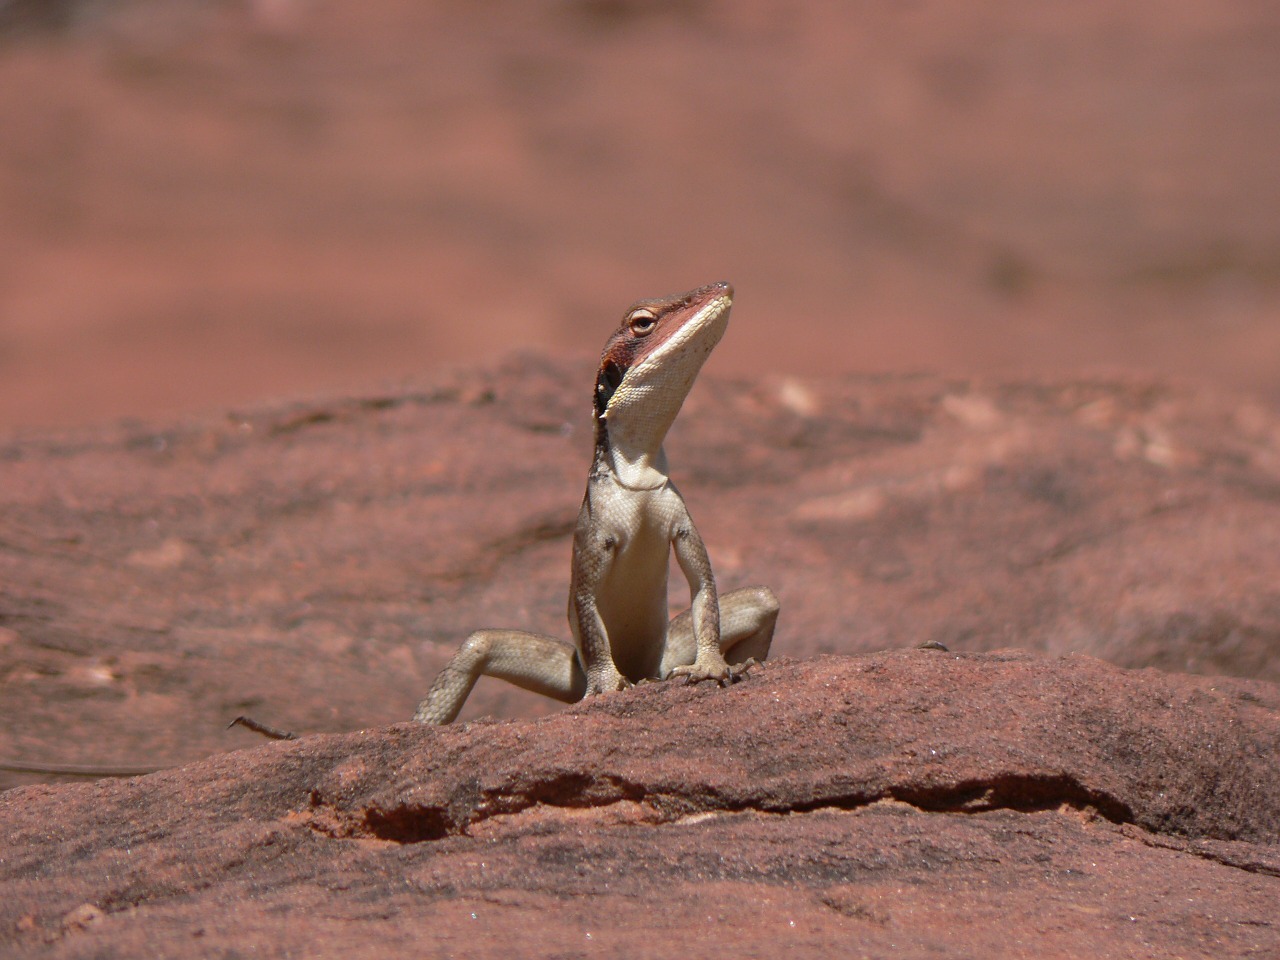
(530, 660)
(747, 619)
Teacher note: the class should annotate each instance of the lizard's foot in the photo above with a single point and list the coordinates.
(707, 669)
(606, 681)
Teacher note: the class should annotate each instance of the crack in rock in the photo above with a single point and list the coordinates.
(469, 805)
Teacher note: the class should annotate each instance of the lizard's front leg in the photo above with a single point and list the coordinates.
(709, 662)
(592, 557)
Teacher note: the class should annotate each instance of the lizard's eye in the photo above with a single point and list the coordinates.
(642, 323)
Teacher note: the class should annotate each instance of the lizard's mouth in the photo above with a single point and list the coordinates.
(611, 376)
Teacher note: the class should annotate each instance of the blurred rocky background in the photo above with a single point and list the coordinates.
(210, 202)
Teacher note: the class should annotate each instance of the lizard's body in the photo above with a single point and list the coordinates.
(632, 517)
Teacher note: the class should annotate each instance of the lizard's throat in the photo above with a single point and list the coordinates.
(635, 459)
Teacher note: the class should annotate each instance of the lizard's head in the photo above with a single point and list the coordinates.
(650, 363)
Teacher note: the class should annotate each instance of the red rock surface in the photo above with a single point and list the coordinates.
(314, 564)
(915, 804)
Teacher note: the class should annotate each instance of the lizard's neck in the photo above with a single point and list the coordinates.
(645, 373)
(645, 471)
(631, 459)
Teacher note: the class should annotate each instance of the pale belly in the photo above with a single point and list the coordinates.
(633, 605)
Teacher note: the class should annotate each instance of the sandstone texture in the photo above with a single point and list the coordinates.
(1108, 789)
(911, 804)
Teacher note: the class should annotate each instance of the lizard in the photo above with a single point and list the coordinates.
(631, 520)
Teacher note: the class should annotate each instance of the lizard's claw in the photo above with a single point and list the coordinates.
(705, 668)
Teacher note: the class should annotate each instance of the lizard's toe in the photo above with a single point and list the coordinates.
(698, 672)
